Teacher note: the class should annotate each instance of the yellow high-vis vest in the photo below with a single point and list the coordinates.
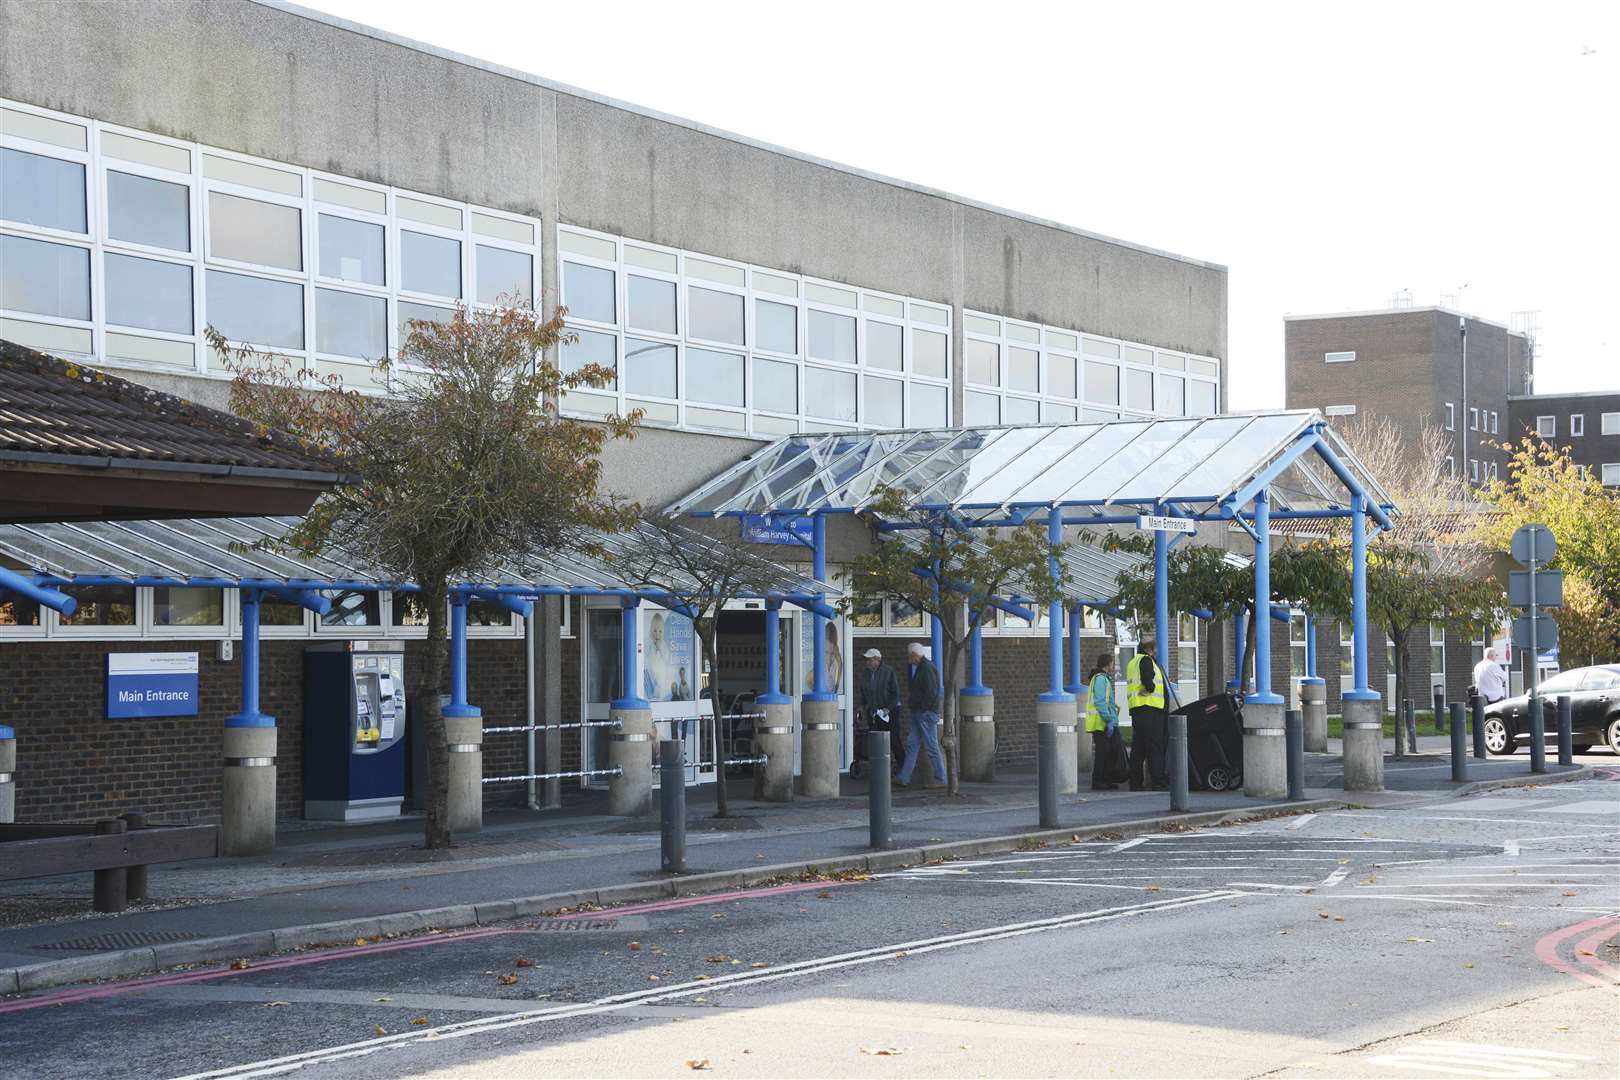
(1137, 695)
(1094, 716)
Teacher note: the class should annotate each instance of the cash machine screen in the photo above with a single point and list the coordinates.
(379, 694)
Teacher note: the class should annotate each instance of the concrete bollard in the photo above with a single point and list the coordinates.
(109, 893)
(8, 775)
(1176, 763)
(1082, 738)
(1060, 714)
(879, 795)
(818, 749)
(1566, 730)
(1459, 744)
(773, 737)
(248, 816)
(630, 749)
(464, 739)
(976, 713)
(1046, 773)
(1313, 703)
(672, 807)
(1265, 755)
(1363, 745)
(1294, 737)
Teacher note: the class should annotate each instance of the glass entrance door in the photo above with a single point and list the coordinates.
(601, 680)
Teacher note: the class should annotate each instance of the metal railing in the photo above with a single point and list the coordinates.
(615, 771)
(554, 727)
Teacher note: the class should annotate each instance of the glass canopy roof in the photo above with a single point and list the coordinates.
(1091, 573)
(1187, 466)
(217, 552)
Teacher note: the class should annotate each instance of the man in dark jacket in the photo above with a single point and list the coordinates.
(879, 699)
(922, 701)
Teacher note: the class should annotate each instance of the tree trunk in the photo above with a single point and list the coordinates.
(711, 653)
(1403, 671)
(1246, 677)
(436, 807)
(951, 741)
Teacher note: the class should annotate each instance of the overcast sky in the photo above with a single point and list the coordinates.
(1328, 155)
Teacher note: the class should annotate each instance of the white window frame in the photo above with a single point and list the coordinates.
(1473, 418)
(1609, 423)
(1473, 470)
(1609, 474)
(1547, 422)
(1451, 468)
(1493, 422)
(1347, 356)
(1577, 425)
(1451, 416)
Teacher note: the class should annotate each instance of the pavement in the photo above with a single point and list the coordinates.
(328, 884)
(1431, 936)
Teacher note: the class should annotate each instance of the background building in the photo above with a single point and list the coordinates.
(1587, 423)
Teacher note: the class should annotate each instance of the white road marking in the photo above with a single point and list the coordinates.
(1510, 848)
(1491, 885)
(1264, 885)
(1073, 883)
(1586, 807)
(1127, 845)
(621, 1002)
(1465, 899)
(1300, 822)
(1478, 1059)
(1337, 876)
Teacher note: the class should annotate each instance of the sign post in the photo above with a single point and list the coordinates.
(1533, 588)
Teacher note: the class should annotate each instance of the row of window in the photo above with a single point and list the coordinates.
(1547, 426)
(893, 617)
(121, 611)
(126, 245)
(1021, 373)
(698, 341)
(1478, 419)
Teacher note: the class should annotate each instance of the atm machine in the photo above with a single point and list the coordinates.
(354, 730)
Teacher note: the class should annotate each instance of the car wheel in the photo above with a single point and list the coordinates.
(1497, 739)
(1612, 736)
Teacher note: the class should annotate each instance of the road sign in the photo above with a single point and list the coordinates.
(1155, 522)
(1533, 543)
(1549, 588)
(1546, 632)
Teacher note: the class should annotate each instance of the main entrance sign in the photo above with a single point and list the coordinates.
(151, 684)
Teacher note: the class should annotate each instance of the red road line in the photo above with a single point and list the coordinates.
(1586, 954)
(1547, 949)
(103, 990)
(710, 898)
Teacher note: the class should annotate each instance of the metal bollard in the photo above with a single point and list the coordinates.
(1479, 727)
(110, 895)
(1566, 730)
(672, 807)
(1046, 764)
(878, 798)
(1177, 764)
(1294, 736)
(1411, 725)
(1538, 735)
(1439, 705)
(135, 876)
(1459, 745)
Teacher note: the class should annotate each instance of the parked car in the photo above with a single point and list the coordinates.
(1595, 711)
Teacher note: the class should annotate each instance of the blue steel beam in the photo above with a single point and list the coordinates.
(250, 716)
(1054, 615)
(39, 594)
(818, 683)
(1308, 439)
(773, 656)
(1358, 497)
(630, 673)
(1262, 601)
(1358, 590)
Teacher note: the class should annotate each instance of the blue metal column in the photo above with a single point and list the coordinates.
(630, 695)
(248, 803)
(936, 634)
(819, 690)
(1310, 648)
(1262, 602)
(1076, 682)
(458, 659)
(1161, 599)
(250, 716)
(1054, 616)
(773, 656)
(1358, 589)
(1240, 626)
(975, 686)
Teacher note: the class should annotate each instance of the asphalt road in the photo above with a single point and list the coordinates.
(1472, 937)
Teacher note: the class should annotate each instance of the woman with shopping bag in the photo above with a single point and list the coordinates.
(1102, 721)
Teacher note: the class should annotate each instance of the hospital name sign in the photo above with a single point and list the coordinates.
(1154, 523)
(151, 684)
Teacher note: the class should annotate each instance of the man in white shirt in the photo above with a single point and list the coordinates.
(1490, 678)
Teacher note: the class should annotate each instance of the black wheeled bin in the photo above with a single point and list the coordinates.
(1215, 742)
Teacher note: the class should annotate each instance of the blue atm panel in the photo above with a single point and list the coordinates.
(354, 730)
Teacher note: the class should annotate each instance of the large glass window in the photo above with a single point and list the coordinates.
(930, 405)
(715, 316)
(1172, 395)
(256, 310)
(505, 277)
(141, 210)
(15, 611)
(409, 313)
(148, 294)
(829, 395)
(1139, 389)
(352, 250)
(714, 378)
(776, 386)
(776, 327)
(1102, 383)
(42, 191)
(883, 402)
(1023, 369)
(250, 231)
(930, 354)
(982, 362)
(649, 367)
(429, 264)
(590, 347)
(353, 607)
(1021, 411)
(884, 343)
(101, 605)
(652, 304)
(832, 337)
(1200, 398)
(588, 292)
(351, 324)
(44, 278)
(188, 607)
(981, 410)
(1061, 378)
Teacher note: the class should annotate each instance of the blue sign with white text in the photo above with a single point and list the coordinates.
(763, 529)
(151, 684)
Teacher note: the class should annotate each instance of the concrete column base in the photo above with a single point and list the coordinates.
(773, 737)
(976, 752)
(818, 749)
(1313, 703)
(1364, 745)
(249, 810)
(1082, 738)
(8, 781)
(1061, 713)
(630, 749)
(1265, 751)
(465, 738)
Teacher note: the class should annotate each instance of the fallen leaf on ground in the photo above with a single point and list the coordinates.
(823, 896)
(758, 964)
(902, 952)
(240, 965)
(1323, 915)
(1569, 894)
(697, 1063)
(524, 961)
(881, 1051)
(652, 978)
(1468, 965)
(384, 999)
(1338, 918)
(506, 980)
(1152, 888)
(635, 946)
(718, 958)
(279, 1004)
(421, 1021)
(1560, 1027)
(379, 1030)
(359, 941)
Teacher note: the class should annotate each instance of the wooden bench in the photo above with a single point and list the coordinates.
(117, 850)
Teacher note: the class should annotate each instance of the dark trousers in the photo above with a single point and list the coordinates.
(1150, 729)
(897, 743)
(1107, 758)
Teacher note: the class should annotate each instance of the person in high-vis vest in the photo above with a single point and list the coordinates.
(1102, 721)
(1150, 726)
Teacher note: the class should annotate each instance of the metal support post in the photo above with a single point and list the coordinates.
(1358, 590)
(1479, 727)
(110, 893)
(878, 790)
(1177, 763)
(1459, 747)
(1439, 706)
(1240, 641)
(1538, 735)
(1566, 732)
(248, 812)
(1046, 752)
(672, 806)
(1294, 736)
(464, 732)
(1262, 603)
(134, 876)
